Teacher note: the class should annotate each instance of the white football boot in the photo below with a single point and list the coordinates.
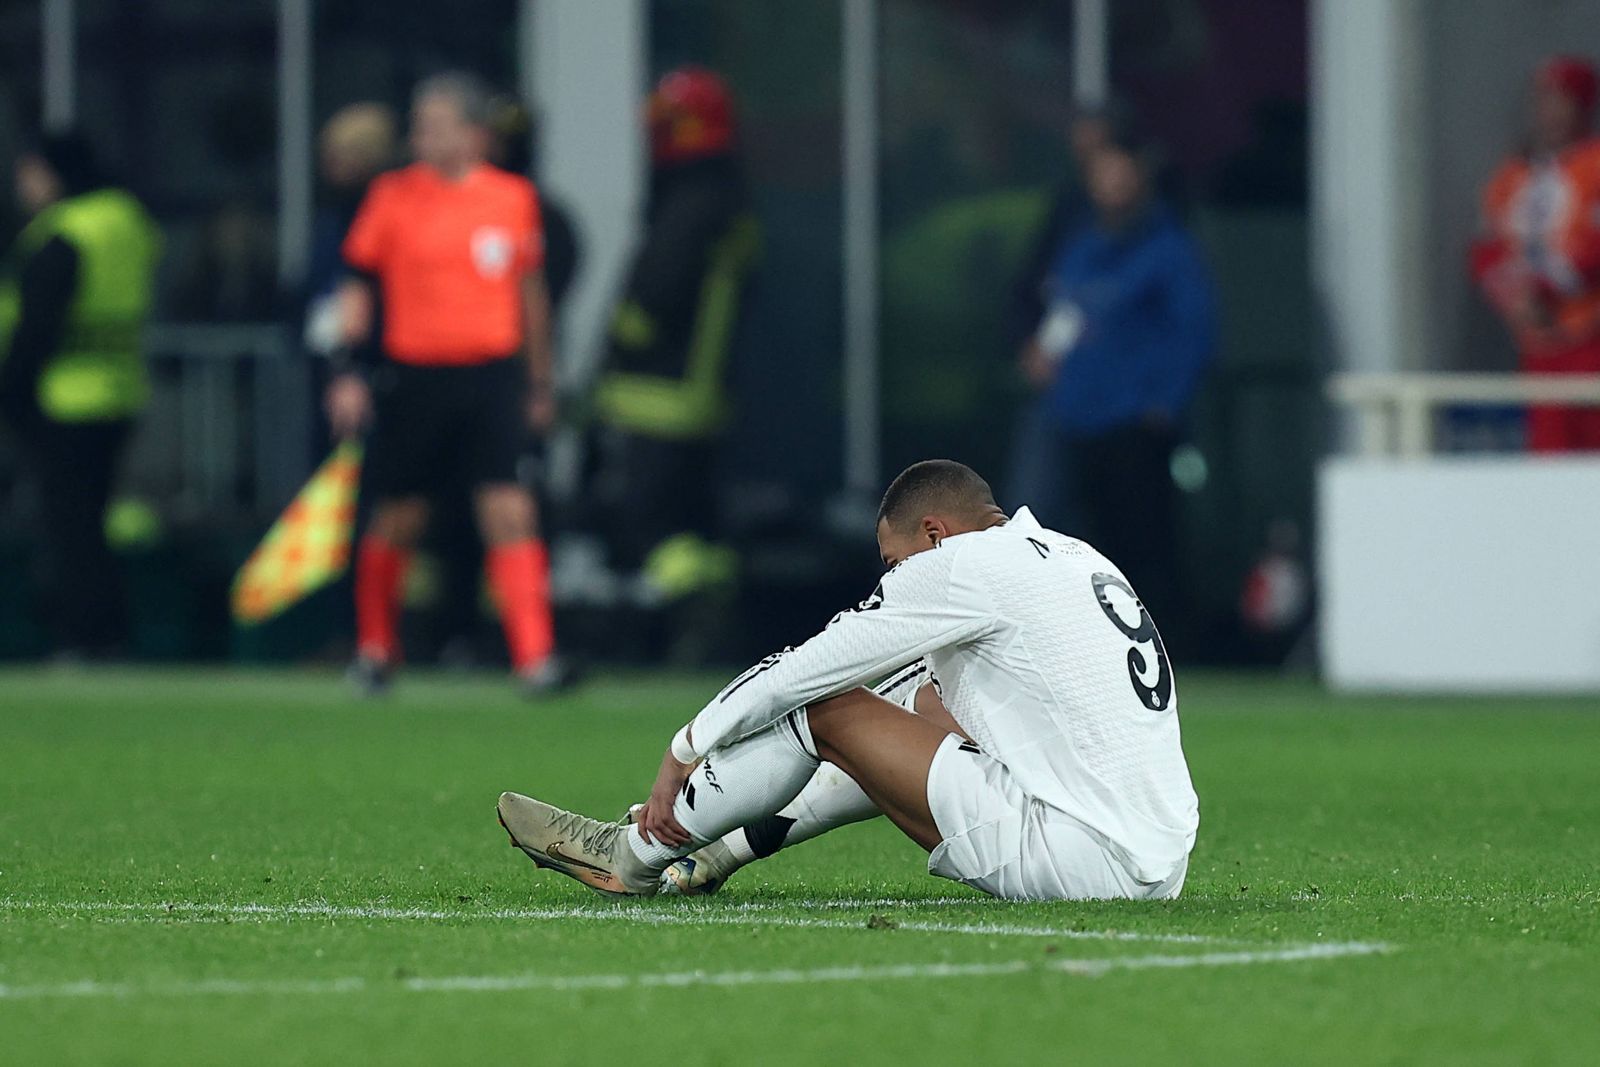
(593, 852)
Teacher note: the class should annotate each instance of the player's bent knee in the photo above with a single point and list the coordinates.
(826, 717)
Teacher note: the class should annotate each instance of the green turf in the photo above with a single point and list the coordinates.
(1463, 834)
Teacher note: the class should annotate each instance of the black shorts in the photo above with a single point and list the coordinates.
(439, 427)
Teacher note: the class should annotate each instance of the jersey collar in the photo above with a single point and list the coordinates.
(1023, 520)
(473, 175)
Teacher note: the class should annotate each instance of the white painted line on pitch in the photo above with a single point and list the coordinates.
(689, 915)
(487, 983)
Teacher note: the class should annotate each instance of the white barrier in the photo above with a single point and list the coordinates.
(1454, 572)
(1463, 574)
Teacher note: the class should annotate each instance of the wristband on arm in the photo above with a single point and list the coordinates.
(682, 750)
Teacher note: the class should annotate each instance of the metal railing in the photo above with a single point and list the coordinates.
(1395, 413)
(229, 426)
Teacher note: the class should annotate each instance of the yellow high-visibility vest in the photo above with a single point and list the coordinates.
(99, 373)
(695, 406)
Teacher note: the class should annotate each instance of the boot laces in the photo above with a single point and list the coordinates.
(590, 835)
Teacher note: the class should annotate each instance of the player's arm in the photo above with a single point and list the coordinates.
(914, 689)
(925, 604)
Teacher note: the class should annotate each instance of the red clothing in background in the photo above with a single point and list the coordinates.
(1538, 263)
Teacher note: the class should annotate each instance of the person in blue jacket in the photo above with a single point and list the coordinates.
(1128, 328)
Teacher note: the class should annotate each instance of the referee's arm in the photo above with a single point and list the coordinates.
(355, 311)
(348, 401)
(540, 351)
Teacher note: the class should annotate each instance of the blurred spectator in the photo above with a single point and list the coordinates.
(357, 143)
(455, 246)
(73, 301)
(1069, 206)
(662, 401)
(1116, 358)
(1538, 259)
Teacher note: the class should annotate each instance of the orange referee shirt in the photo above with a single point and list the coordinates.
(450, 258)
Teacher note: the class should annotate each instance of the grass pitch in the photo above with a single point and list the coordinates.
(216, 867)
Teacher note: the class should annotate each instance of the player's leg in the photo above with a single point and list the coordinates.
(382, 558)
(402, 465)
(874, 741)
(830, 800)
(887, 752)
(519, 573)
(493, 435)
(734, 785)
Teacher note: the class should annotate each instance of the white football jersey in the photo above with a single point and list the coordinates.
(1045, 657)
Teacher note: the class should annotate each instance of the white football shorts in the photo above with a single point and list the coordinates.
(996, 838)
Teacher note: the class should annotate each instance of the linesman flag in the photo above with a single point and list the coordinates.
(309, 545)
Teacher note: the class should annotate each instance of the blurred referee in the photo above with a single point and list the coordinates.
(453, 248)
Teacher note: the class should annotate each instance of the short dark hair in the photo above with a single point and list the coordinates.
(931, 486)
(468, 91)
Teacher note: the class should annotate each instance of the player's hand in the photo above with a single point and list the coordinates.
(656, 821)
(348, 403)
(542, 408)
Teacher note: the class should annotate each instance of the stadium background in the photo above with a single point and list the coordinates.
(216, 853)
(211, 111)
(209, 117)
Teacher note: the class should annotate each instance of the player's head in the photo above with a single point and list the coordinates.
(1565, 91)
(450, 121)
(930, 501)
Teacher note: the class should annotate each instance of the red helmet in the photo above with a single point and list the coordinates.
(690, 114)
(1573, 77)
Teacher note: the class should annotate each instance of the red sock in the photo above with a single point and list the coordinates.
(519, 573)
(380, 568)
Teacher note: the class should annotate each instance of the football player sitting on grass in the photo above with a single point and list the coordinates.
(1042, 761)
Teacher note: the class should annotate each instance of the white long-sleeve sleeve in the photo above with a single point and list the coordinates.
(926, 603)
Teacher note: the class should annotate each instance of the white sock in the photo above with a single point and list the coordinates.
(830, 800)
(738, 784)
